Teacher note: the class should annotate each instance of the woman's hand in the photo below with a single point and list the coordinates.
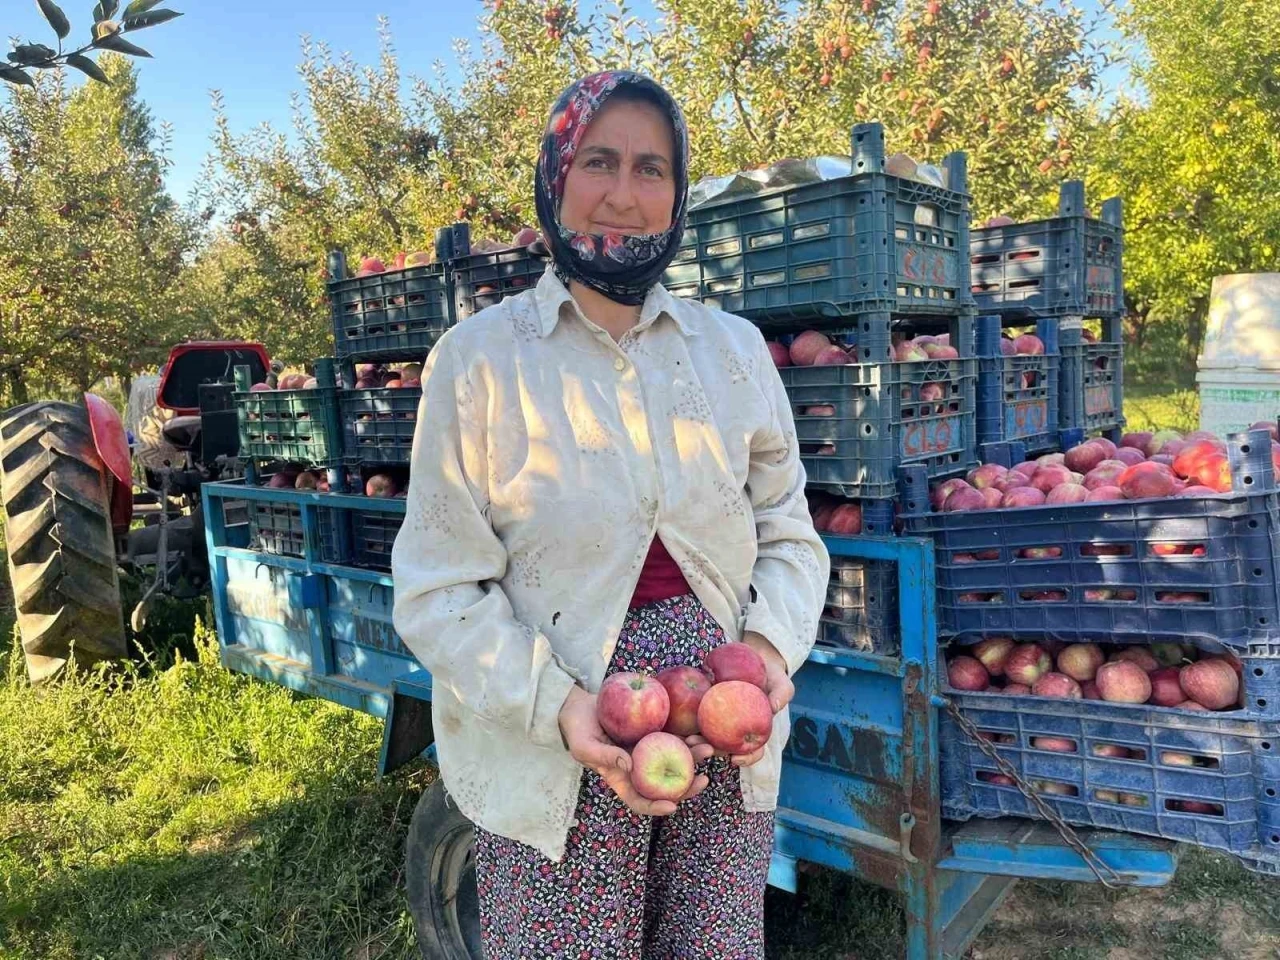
(777, 687)
(591, 747)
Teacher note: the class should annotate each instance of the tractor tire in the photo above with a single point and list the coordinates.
(62, 559)
(440, 879)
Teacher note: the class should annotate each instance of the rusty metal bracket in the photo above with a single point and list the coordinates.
(906, 823)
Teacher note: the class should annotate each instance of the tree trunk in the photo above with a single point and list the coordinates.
(1195, 332)
(17, 387)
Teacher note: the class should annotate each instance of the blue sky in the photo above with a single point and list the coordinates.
(250, 50)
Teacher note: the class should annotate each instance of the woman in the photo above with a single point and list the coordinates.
(604, 478)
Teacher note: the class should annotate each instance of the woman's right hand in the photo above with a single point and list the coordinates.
(591, 747)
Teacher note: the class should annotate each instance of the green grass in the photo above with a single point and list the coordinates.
(1153, 407)
(169, 810)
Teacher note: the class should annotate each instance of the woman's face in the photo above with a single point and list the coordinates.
(623, 176)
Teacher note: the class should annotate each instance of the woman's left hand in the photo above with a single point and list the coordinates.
(777, 687)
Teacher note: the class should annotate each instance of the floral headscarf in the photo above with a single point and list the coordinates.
(622, 267)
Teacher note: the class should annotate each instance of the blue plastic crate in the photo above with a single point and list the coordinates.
(861, 612)
(1104, 577)
(1091, 378)
(1017, 395)
(373, 533)
(480, 280)
(1068, 265)
(882, 416)
(820, 251)
(1235, 768)
(378, 424)
(277, 528)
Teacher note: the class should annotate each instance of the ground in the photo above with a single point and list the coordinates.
(175, 811)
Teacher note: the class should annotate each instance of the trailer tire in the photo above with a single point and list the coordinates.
(440, 879)
(62, 557)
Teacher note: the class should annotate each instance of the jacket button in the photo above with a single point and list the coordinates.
(619, 364)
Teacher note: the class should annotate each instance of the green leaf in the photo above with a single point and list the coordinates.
(105, 10)
(28, 54)
(119, 44)
(57, 19)
(88, 67)
(16, 76)
(151, 19)
(138, 7)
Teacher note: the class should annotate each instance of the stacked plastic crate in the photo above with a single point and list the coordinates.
(874, 268)
(1166, 582)
(385, 324)
(1066, 271)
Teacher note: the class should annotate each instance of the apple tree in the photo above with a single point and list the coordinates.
(91, 246)
(1198, 162)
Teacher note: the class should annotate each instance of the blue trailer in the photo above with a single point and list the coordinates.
(860, 788)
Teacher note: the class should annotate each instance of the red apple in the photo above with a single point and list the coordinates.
(1172, 758)
(369, 266)
(1022, 497)
(1050, 476)
(1192, 705)
(1085, 456)
(1129, 456)
(1068, 493)
(1146, 481)
(1122, 681)
(1056, 685)
(1210, 682)
(780, 355)
(966, 673)
(1016, 689)
(630, 706)
(380, 485)
(661, 767)
(1105, 494)
(1027, 663)
(1112, 751)
(1165, 688)
(735, 661)
(806, 347)
(846, 520)
(992, 654)
(831, 356)
(938, 495)
(1105, 474)
(1089, 691)
(1055, 744)
(1139, 655)
(735, 717)
(1138, 441)
(1080, 661)
(1269, 425)
(909, 352)
(419, 258)
(1028, 345)
(986, 475)
(685, 687)
(963, 499)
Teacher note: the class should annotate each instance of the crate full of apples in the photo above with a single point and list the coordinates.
(651, 716)
(1017, 385)
(858, 422)
(277, 527)
(393, 311)
(373, 532)
(295, 420)
(491, 271)
(1166, 538)
(380, 412)
(1151, 738)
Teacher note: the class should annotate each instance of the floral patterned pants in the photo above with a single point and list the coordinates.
(685, 887)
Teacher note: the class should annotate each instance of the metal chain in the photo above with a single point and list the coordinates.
(1069, 836)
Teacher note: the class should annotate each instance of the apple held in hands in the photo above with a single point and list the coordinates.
(735, 661)
(735, 717)
(685, 688)
(661, 767)
(630, 706)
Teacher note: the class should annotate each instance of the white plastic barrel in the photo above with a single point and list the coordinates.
(1239, 369)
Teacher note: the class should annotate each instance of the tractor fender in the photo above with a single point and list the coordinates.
(109, 437)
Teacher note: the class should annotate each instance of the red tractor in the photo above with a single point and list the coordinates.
(77, 507)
